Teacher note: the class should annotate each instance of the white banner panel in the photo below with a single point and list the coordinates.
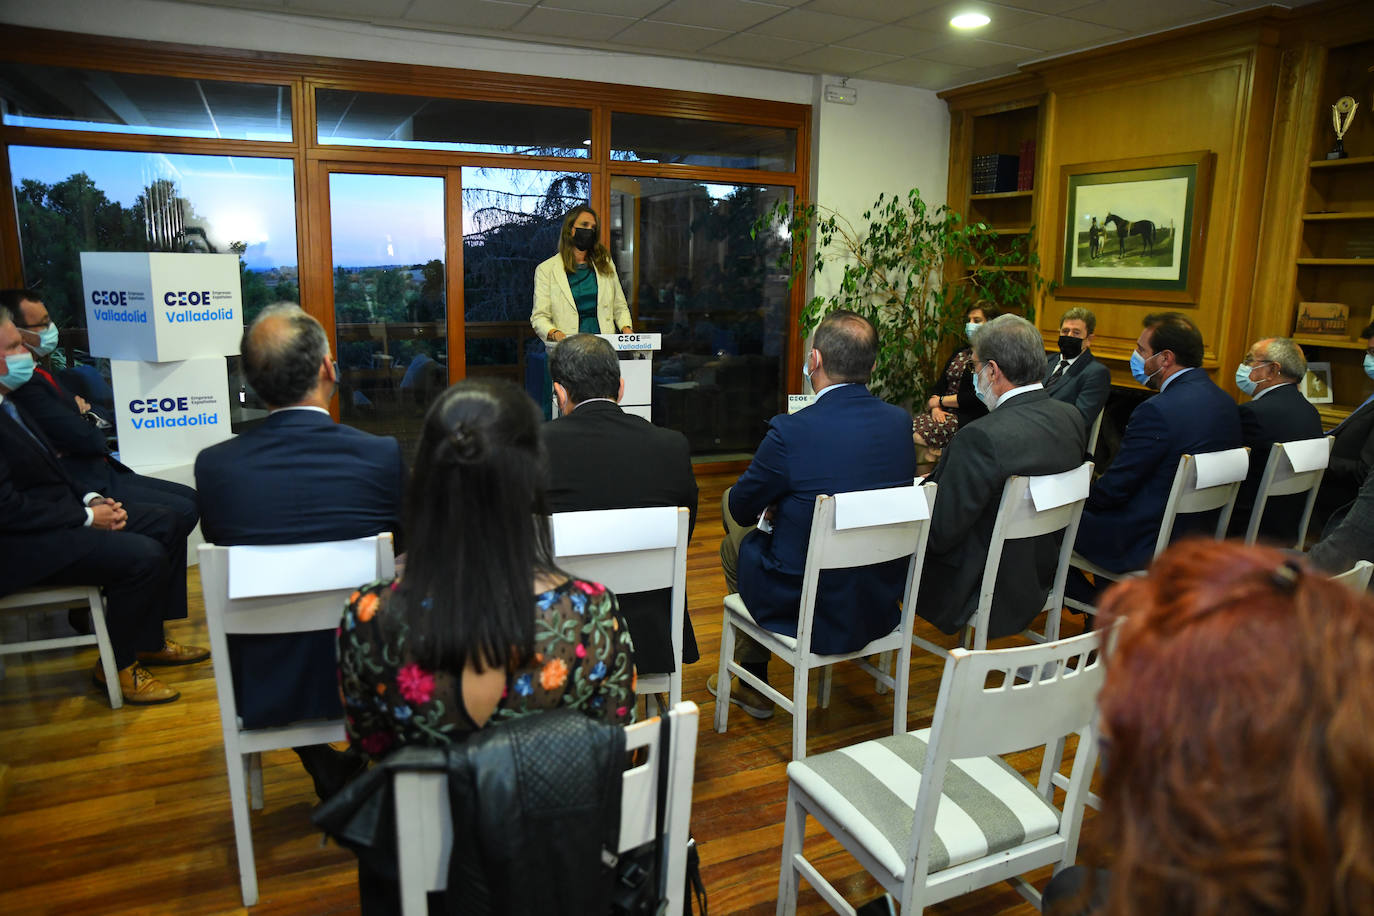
(168, 412)
(639, 382)
(162, 306)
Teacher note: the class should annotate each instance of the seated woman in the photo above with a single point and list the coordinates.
(1236, 752)
(483, 626)
(952, 400)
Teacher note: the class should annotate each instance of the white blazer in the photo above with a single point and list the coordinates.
(554, 307)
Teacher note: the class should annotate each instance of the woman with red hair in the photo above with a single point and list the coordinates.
(1238, 756)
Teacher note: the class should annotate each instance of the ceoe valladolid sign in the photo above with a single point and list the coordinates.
(162, 306)
(169, 411)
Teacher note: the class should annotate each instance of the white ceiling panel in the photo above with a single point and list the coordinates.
(718, 14)
(632, 8)
(1044, 6)
(974, 52)
(475, 14)
(803, 25)
(926, 74)
(352, 9)
(937, 17)
(544, 22)
(1055, 33)
(877, 10)
(667, 36)
(840, 60)
(894, 39)
(759, 49)
(1134, 16)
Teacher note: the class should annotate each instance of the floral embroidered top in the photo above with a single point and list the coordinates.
(583, 659)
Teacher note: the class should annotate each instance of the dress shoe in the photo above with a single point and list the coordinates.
(330, 770)
(139, 686)
(174, 653)
(745, 697)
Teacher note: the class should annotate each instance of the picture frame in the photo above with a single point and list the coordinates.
(1316, 384)
(1133, 229)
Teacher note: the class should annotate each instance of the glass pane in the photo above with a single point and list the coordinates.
(420, 122)
(653, 138)
(74, 200)
(695, 275)
(140, 103)
(388, 236)
(511, 220)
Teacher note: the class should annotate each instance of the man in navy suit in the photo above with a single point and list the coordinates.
(1028, 432)
(1277, 412)
(1352, 454)
(1189, 415)
(846, 440)
(1073, 375)
(56, 533)
(75, 432)
(297, 478)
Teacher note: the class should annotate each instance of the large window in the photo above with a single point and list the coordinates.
(700, 277)
(74, 200)
(413, 191)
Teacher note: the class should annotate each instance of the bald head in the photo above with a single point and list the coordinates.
(285, 358)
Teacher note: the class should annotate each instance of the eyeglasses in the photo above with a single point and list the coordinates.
(1251, 360)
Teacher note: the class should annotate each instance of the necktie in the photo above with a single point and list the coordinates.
(13, 413)
(1058, 372)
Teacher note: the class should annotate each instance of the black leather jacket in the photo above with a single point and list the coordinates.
(533, 804)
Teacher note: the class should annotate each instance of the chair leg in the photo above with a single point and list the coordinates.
(901, 678)
(823, 694)
(793, 835)
(243, 829)
(884, 664)
(727, 652)
(255, 780)
(106, 650)
(801, 678)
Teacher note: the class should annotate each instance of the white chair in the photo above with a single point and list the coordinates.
(1030, 507)
(1357, 577)
(1093, 433)
(628, 551)
(847, 530)
(1280, 478)
(295, 588)
(936, 813)
(424, 831)
(1186, 497)
(56, 598)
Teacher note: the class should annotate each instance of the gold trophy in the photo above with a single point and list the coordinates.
(1342, 113)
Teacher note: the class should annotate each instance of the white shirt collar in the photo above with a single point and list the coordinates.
(1008, 395)
(1165, 384)
(1260, 394)
(299, 407)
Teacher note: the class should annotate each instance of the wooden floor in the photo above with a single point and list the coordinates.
(127, 811)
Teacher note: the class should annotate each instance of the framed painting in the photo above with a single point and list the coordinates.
(1133, 228)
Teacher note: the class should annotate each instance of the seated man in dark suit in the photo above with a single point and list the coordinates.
(1190, 415)
(1352, 454)
(1027, 432)
(296, 478)
(1349, 540)
(1073, 375)
(72, 427)
(601, 457)
(1277, 412)
(56, 533)
(846, 440)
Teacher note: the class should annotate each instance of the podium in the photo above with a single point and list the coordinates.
(637, 373)
(166, 322)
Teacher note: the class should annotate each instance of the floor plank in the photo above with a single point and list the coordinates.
(127, 811)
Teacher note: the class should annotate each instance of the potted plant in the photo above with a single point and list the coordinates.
(912, 271)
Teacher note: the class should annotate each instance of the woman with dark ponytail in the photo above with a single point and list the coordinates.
(483, 626)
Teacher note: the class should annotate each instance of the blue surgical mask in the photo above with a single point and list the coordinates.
(47, 341)
(1243, 380)
(969, 328)
(987, 397)
(18, 370)
(1369, 364)
(806, 368)
(1138, 369)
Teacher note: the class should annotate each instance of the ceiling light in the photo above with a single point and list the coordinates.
(969, 21)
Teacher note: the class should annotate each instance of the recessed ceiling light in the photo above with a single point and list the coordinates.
(969, 21)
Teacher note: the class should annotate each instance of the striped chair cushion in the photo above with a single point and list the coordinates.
(870, 790)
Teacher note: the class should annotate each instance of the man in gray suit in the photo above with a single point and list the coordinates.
(1027, 432)
(1073, 375)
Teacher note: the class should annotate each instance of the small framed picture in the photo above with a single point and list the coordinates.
(1316, 384)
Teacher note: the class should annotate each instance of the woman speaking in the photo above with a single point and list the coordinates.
(576, 291)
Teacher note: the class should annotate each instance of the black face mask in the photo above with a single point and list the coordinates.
(1070, 347)
(584, 239)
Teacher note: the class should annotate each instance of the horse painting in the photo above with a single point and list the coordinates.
(1124, 228)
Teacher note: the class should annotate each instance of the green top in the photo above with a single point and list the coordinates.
(582, 282)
